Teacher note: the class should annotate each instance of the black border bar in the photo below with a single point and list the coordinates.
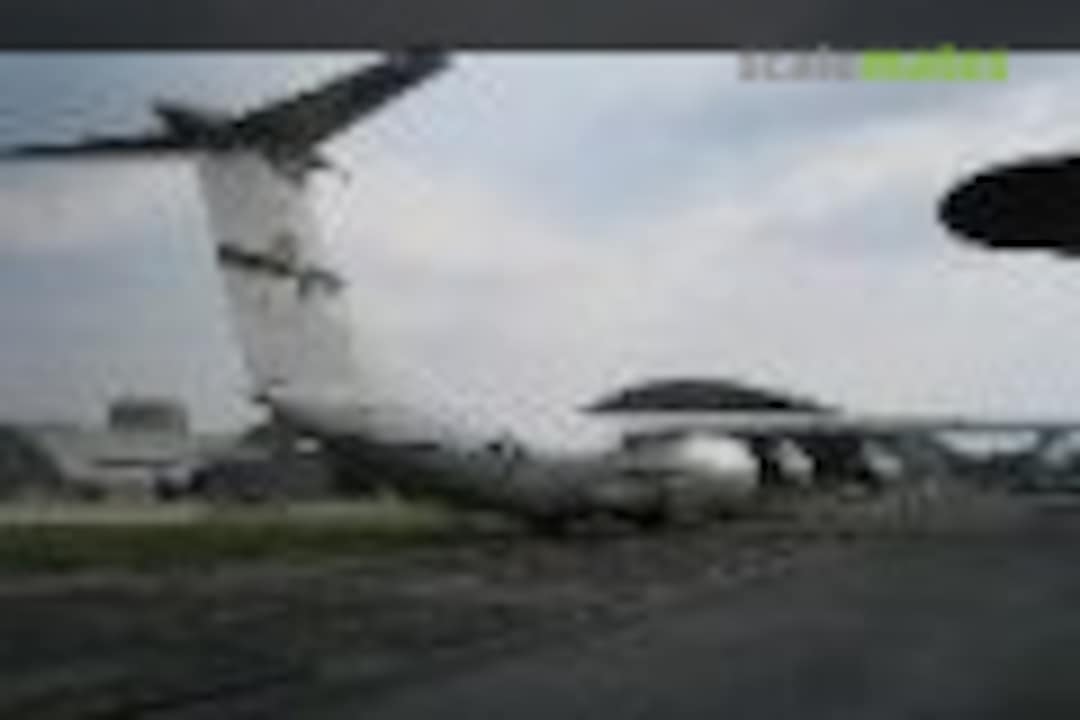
(557, 24)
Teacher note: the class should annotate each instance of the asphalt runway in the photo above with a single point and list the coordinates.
(966, 609)
(276, 638)
(956, 625)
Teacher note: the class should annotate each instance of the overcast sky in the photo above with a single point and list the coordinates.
(529, 231)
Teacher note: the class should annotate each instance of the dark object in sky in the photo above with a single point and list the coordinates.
(697, 395)
(1031, 204)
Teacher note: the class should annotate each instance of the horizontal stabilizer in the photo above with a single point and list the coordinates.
(105, 147)
(287, 131)
(305, 120)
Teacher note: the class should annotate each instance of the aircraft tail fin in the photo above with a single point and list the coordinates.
(287, 304)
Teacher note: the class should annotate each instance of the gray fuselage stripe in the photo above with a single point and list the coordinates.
(257, 262)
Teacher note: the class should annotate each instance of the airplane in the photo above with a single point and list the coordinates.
(288, 316)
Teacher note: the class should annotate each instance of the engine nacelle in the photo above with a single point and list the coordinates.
(697, 477)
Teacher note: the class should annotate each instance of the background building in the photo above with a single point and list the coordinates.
(144, 450)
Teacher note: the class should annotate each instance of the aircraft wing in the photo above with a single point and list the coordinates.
(306, 119)
(789, 424)
(91, 147)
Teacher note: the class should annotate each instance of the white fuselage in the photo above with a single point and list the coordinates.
(296, 341)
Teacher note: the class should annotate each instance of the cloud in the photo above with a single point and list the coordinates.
(50, 207)
(523, 316)
(509, 265)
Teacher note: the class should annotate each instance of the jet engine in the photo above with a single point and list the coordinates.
(698, 477)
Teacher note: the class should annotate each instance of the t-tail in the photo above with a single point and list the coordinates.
(286, 302)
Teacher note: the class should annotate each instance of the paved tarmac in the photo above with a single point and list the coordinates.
(968, 609)
(982, 624)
